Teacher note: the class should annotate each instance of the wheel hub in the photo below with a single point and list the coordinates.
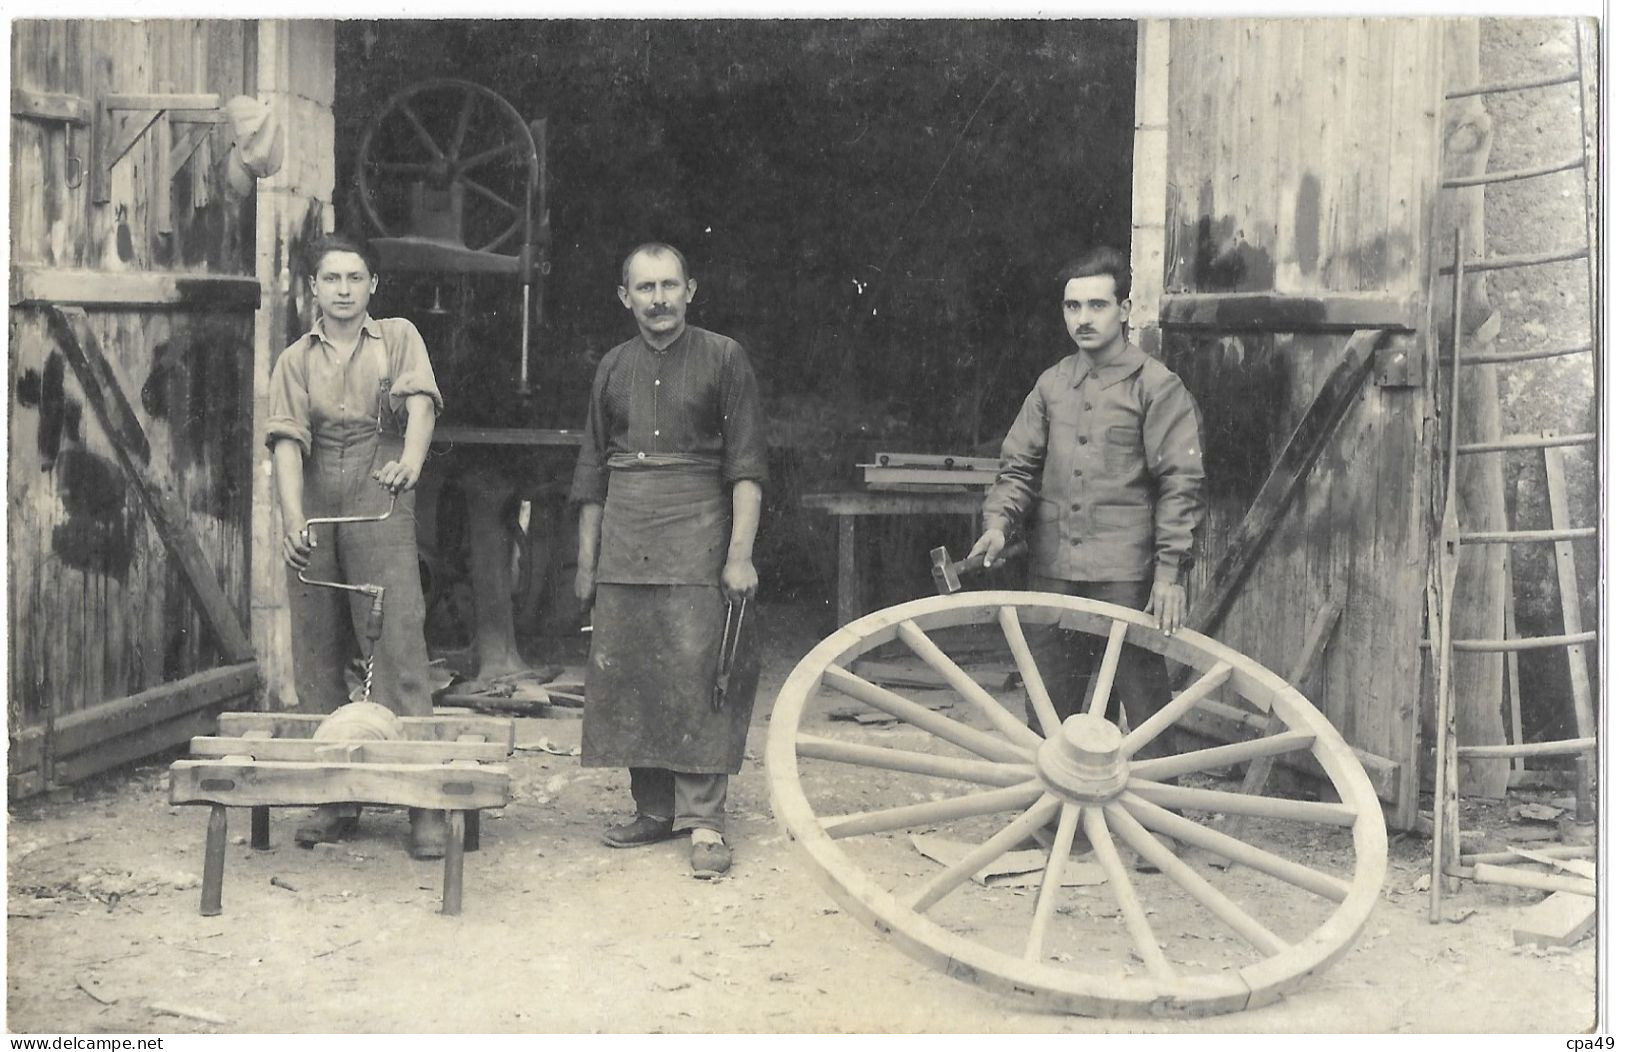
(1085, 762)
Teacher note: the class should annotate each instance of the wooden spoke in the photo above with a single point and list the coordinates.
(464, 113)
(1180, 704)
(998, 801)
(1017, 831)
(513, 228)
(1139, 928)
(1243, 803)
(1048, 718)
(401, 167)
(421, 132)
(1009, 725)
(1165, 767)
(474, 160)
(490, 195)
(1108, 669)
(1060, 853)
(1140, 839)
(948, 729)
(980, 772)
(1296, 874)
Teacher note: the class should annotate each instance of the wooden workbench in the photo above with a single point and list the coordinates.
(847, 506)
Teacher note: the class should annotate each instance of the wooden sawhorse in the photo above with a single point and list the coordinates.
(262, 760)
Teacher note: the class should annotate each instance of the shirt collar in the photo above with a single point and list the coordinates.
(1125, 365)
(369, 325)
(676, 344)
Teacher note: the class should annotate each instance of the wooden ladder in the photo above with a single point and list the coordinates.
(1448, 862)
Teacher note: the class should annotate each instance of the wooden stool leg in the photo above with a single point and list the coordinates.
(259, 837)
(214, 861)
(471, 830)
(451, 893)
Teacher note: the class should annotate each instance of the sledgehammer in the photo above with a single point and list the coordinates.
(945, 572)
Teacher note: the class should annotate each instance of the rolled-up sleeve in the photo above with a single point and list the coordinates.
(289, 401)
(1021, 467)
(1173, 454)
(409, 366)
(591, 482)
(744, 428)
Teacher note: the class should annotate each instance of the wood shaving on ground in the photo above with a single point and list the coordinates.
(187, 1012)
(1013, 869)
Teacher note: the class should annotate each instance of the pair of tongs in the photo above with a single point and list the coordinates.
(733, 626)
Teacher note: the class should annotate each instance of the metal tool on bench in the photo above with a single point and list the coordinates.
(946, 572)
(375, 614)
(733, 626)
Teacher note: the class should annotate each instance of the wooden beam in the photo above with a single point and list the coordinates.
(439, 787)
(1211, 719)
(138, 745)
(1273, 312)
(417, 728)
(169, 516)
(308, 750)
(1568, 594)
(43, 286)
(1561, 919)
(91, 726)
(127, 101)
(1319, 423)
(50, 106)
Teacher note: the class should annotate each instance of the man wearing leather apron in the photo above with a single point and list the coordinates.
(669, 482)
(353, 406)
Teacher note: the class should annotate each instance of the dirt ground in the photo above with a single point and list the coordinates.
(561, 934)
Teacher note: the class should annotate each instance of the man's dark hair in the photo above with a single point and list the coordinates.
(1101, 260)
(316, 250)
(652, 248)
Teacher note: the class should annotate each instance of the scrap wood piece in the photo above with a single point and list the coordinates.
(894, 674)
(1013, 869)
(874, 717)
(92, 985)
(1560, 919)
(1578, 866)
(1540, 812)
(187, 1012)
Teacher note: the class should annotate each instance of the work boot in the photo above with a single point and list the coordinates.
(643, 829)
(328, 824)
(429, 833)
(708, 855)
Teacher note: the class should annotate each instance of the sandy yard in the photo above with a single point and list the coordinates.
(561, 934)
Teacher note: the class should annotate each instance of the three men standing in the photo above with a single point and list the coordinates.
(669, 481)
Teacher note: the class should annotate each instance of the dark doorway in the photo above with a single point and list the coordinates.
(874, 208)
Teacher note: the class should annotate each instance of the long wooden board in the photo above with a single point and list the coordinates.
(275, 784)
(310, 750)
(83, 351)
(417, 728)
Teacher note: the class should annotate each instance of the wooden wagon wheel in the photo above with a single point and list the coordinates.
(1080, 780)
(445, 135)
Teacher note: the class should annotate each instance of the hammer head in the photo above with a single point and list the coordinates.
(944, 572)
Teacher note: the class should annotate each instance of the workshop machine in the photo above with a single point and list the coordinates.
(452, 181)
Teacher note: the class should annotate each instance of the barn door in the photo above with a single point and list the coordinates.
(131, 369)
(1295, 163)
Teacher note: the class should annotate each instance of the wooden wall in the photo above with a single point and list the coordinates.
(1302, 161)
(98, 608)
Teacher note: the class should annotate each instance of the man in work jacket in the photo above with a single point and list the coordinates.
(669, 483)
(1103, 470)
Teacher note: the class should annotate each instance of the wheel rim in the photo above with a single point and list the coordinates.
(1081, 779)
(453, 132)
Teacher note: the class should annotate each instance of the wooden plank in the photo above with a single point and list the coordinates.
(1561, 919)
(1485, 873)
(963, 502)
(50, 106)
(417, 728)
(1270, 506)
(277, 784)
(1568, 594)
(1282, 312)
(88, 727)
(1209, 720)
(114, 752)
(168, 515)
(305, 750)
(43, 285)
(161, 101)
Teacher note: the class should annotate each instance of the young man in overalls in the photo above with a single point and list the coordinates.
(353, 406)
